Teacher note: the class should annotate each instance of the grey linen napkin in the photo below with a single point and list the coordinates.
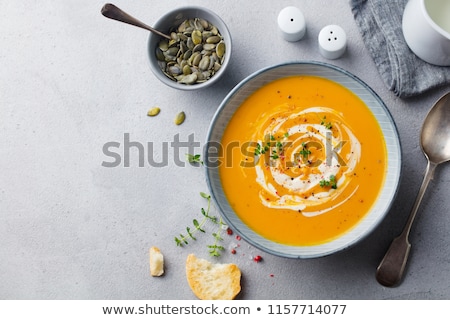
(380, 24)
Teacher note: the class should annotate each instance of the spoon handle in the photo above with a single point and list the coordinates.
(391, 268)
(111, 11)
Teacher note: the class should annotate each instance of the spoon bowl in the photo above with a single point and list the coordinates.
(435, 144)
(435, 136)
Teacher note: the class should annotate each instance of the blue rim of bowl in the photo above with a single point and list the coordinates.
(390, 186)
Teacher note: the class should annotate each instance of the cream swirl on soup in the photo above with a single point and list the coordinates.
(305, 159)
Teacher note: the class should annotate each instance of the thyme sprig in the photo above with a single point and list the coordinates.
(194, 158)
(183, 239)
(199, 226)
(215, 248)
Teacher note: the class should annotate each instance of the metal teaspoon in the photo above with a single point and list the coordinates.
(435, 144)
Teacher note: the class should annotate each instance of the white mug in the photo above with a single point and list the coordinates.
(426, 28)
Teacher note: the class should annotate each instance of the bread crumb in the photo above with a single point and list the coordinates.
(156, 262)
(211, 281)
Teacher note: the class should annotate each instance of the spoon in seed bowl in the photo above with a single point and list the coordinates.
(435, 144)
(111, 11)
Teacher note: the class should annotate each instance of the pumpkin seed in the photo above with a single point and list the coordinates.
(179, 119)
(209, 46)
(172, 51)
(164, 44)
(174, 36)
(188, 79)
(213, 39)
(196, 60)
(204, 63)
(187, 70)
(182, 27)
(187, 55)
(198, 25)
(160, 55)
(172, 43)
(206, 35)
(190, 44)
(153, 111)
(198, 48)
(197, 37)
(216, 66)
(204, 23)
(183, 37)
(174, 70)
(220, 49)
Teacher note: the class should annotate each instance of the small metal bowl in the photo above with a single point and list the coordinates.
(173, 19)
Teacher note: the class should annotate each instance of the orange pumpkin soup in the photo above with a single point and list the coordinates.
(311, 162)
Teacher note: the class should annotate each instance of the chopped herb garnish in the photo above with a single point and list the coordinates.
(329, 183)
(328, 124)
(275, 147)
(259, 150)
(278, 151)
(305, 152)
(279, 145)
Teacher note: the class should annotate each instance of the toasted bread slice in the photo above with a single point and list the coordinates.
(211, 281)
(156, 262)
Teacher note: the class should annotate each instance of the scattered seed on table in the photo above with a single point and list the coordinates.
(179, 119)
(153, 111)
